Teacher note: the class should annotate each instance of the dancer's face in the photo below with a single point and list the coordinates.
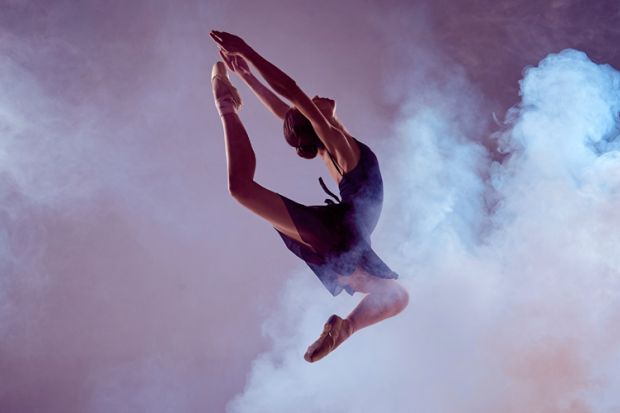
(326, 106)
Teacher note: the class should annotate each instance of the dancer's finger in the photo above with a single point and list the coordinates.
(219, 34)
(240, 64)
(225, 36)
(234, 60)
(227, 60)
(215, 37)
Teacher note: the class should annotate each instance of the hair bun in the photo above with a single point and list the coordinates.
(300, 134)
(307, 151)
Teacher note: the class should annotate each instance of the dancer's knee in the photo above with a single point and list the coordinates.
(400, 297)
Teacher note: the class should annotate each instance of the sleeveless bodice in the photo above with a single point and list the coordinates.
(362, 189)
(339, 233)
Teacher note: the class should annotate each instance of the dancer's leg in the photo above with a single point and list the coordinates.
(384, 298)
(241, 166)
(241, 163)
(240, 158)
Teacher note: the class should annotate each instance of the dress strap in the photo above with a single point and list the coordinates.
(338, 168)
(328, 192)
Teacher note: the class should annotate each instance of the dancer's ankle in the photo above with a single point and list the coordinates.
(226, 106)
(352, 326)
(227, 99)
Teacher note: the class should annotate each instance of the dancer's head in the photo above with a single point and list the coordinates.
(298, 130)
(300, 134)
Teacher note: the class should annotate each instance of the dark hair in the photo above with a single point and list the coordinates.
(300, 134)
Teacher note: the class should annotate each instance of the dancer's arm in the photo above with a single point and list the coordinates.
(264, 94)
(340, 145)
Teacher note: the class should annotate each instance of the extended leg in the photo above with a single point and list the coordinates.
(241, 161)
(240, 157)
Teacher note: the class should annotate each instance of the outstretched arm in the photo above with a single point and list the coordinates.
(337, 143)
(264, 94)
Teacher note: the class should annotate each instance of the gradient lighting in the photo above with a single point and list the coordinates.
(130, 281)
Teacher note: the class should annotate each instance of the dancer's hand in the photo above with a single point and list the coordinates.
(236, 64)
(229, 43)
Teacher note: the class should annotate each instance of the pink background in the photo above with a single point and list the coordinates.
(120, 249)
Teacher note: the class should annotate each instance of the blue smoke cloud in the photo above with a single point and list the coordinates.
(514, 307)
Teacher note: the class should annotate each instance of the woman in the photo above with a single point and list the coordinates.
(333, 239)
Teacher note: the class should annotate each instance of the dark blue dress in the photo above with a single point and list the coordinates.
(339, 233)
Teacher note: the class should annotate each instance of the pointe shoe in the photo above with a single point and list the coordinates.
(335, 331)
(227, 99)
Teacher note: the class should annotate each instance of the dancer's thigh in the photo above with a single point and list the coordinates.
(270, 206)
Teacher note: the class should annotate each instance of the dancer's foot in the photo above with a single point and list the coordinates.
(227, 99)
(335, 331)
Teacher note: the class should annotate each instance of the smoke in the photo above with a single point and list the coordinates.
(513, 267)
(38, 167)
(130, 280)
(99, 175)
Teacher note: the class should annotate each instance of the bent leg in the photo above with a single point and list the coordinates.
(384, 298)
(241, 162)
